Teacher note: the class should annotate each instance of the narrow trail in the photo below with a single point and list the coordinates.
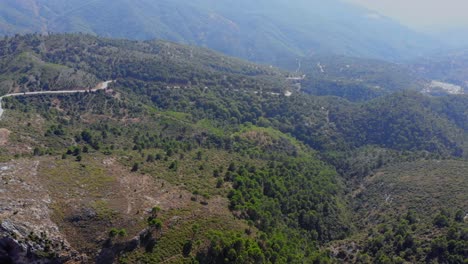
(100, 86)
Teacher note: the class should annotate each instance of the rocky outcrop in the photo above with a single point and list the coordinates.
(19, 245)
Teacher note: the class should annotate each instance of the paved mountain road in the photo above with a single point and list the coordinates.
(100, 86)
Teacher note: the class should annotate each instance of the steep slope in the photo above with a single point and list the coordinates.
(194, 156)
(412, 211)
(263, 31)
(28, 72)
(155, 169)
(394, 188)
(20, 17)
(406, 121)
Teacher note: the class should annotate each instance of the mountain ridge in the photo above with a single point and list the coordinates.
(265, 31)
(196, 156)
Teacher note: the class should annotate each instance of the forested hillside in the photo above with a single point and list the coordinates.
(194, 157)
(35, 62)
(399, 204)
(356, 79)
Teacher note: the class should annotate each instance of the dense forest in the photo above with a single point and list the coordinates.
(245, 172)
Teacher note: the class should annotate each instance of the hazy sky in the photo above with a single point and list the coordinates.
(422, 14)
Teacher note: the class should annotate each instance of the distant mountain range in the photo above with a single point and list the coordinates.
(274, 31)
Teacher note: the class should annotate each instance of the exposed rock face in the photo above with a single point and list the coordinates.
(58, 211)
(10, 251)
(27, 233)
(19, 244)
(16, 248)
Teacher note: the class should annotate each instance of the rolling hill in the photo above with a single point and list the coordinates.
(193, 156)
(32, 62)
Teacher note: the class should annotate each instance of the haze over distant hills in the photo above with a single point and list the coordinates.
(263, 31)
(118, 148)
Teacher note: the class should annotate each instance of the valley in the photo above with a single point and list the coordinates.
(348, 145)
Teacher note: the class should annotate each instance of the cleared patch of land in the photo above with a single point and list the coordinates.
(422, 186)
(446, 87)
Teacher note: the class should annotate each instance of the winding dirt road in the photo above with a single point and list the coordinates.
(100, 86)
